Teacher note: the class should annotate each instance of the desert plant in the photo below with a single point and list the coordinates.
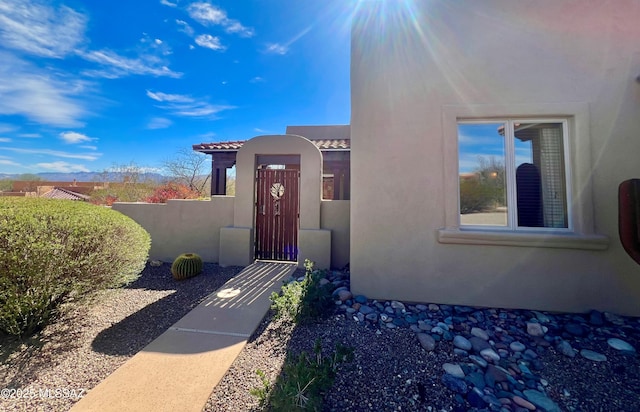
(171, 190)
(262, 392)
(187, 265)
(55, 251)
(305, 378)
(304, 301)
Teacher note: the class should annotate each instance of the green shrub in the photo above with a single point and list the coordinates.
(186, 266)
(54, 251)
(474, 196)
(304, 301)
(303, 380)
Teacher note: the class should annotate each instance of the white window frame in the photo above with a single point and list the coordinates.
(510, 172)
(581, 232)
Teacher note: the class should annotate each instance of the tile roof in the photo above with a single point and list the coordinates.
(60, 193)
(322, 144)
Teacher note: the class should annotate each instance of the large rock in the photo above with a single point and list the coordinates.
(535, 329)
(462, 343)
(426, 341)
(541, 400)
(619, 344)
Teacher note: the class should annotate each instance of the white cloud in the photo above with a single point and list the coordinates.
(166, 97)
(62, 167)
(159, 123)
(120, 66)
(208, 15)
(30, 135)
(89, 147)
(184, 27)
(39, 95)
(182, 105)
(209, 41)
(153, 46)
(7, 128)
(4, 140)
(74, 137)
(6, 162)
(258, 130)
(257, 79)
(168, 3)
(56, 153)
(276, 48)
(282, 49)
(39, 29)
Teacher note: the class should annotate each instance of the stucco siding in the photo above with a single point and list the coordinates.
(182, 225)
(413, 60)
(334, 216)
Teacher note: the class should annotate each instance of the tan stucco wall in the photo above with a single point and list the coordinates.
(310, 176)
(182, 225)
(416, 65)
(334, 216)
(314, 243)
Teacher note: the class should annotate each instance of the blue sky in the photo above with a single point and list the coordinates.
(88, 84)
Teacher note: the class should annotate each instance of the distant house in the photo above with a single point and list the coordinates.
(65, 194)
(54, 190)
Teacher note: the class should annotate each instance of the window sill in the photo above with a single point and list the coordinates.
(523, 239)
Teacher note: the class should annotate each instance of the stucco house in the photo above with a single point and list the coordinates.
(435, 86)
(487, 143)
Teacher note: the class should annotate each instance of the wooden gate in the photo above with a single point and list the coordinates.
(277, 213)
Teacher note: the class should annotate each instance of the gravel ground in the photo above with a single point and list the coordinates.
(390, 370)
(89, 342)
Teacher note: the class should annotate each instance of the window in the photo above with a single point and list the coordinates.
(513, 174)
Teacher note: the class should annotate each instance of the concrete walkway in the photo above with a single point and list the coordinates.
(179, 369)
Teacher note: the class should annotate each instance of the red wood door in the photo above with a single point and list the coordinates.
(277, 212)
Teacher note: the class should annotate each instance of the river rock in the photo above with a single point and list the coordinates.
(426, 341)
(462, 343)
(479, 344)
(523, 403)
(454, 384)
(517, 346)
(344, 295)
(534, 329)
(593, 356)
(565, 348)
(453, 370)
(480, 333)
(541, 400)
(619, 344)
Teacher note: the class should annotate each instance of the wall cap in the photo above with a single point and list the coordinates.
(523, 239)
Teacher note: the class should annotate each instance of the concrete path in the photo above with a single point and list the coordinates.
(179, 369)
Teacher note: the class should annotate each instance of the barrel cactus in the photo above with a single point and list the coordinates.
(187, 265)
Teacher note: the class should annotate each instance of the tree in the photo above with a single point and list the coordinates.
(486, 189)
(123, 183)
(6, 185)
(189, 168)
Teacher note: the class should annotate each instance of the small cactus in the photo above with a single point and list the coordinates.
(187, 265)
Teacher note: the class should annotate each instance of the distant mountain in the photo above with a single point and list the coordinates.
(87, 176)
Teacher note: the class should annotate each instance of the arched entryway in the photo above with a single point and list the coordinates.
(238, 243)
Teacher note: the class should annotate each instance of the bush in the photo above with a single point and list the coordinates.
(171, 191)
(474, 196)
(304, 301)
(54, 251)
(303, 381)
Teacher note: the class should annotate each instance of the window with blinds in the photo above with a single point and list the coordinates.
(513, 174)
